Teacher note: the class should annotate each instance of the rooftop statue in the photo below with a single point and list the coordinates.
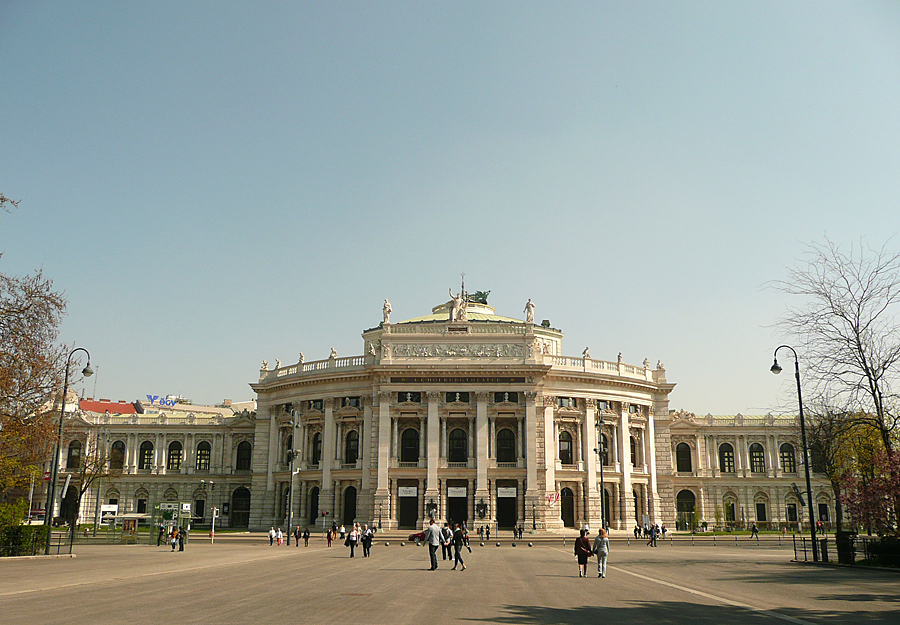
(478, 297)
(529, 311)
(386, 311)
(458, 306)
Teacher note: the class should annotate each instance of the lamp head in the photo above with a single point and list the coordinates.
(776, 368)
(87, 371)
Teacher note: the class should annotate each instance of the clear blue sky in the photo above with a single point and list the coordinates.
(213, 184)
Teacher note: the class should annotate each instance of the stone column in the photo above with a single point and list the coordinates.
(589, 436)
(420, 503)
(433, 491)
(520, 448)
(422, 440)
(470, 495)
(327, 494)
(471, 441)
(626, 503)
(444, 449)
(653, 493)
(492, 442)
(395, 443)
(366, 451)
(532, 495)
(552, 515)
(384, 443)
(481, 449)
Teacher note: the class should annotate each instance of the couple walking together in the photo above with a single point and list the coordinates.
(584, 550)
(435, 538)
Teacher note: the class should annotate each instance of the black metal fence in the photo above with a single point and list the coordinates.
(60, 543)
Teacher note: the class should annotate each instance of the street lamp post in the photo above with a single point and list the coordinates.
(213, 509)
(54, 470)
(601, 449)
(776, 369)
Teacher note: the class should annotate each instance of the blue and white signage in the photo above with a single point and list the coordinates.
(161, 401)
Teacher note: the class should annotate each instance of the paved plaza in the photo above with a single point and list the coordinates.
(244, 580)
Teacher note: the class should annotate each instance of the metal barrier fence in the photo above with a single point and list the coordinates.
(59, 543)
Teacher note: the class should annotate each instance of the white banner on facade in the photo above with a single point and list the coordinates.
(456, 491)
(506, 491)
(407, 491)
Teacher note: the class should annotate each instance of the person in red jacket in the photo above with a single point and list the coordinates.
(582, 552)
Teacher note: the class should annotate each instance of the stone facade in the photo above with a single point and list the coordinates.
(482, 419)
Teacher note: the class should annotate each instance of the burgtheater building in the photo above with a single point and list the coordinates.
(462, 414)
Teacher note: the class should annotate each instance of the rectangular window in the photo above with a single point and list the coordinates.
(823, 512)
(458, 396)
(141, 506)
(409, 396)
(567, 402)
(761, 516)
(199, 508)
(317, 404)
(113, 501)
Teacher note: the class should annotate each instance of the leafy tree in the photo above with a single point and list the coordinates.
(871, 493)
(30, 372)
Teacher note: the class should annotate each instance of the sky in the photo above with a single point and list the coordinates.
(212, 184)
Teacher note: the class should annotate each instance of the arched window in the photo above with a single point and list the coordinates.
(117, 456)
(204, 454)
(145, 461)
(506, 445)
(604, 449)
(173, 463)
(726, 458)
(316, 456)
(683, 462)
(351, 447)
(757, 458)
(565, 448)
(458, 446)
(73, 457)
(244, 456)
(635, 448)
(409, 445)
(788, 459)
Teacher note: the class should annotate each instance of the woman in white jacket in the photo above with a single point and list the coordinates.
(601, 548)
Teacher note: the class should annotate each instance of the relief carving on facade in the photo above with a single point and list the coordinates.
(439, 350)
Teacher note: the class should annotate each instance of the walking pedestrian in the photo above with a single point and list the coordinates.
(352, 539)
(433, 538)
(173, 538)
(367, 537)
(279, 535)
(459, 541)
(343, 532)
(582, 552)
(601, 549)
(182, 535)
(754, 531)
(446, 535)
(306, 537)
(271, 536)
(296, 536)
(329, 536)
(161, 535)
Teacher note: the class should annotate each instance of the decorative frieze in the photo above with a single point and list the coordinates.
(459, 350)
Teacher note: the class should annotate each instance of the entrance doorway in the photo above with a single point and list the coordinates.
(314, 505)
(506, 512)
(349, 505)
(408, 513)
(567, 507)
(240, 508)
(458, 509)
(684, 507)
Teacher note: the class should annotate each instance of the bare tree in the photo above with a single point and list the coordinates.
(847, 325)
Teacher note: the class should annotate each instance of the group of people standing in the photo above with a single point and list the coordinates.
(278, 535)
(584, 550)
(175, 537)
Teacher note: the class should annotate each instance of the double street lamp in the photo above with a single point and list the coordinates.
(54, 470)
(776, 369)
(601, 451)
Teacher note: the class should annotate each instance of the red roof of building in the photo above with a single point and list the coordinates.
(104, 405)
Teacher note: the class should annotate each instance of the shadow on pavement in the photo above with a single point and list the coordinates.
(676, 613)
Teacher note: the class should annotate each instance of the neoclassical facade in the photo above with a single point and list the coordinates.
(461, 414)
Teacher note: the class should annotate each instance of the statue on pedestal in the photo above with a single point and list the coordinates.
(529, 311)
(386, 311)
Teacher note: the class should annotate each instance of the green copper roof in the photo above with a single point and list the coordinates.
(472, 316)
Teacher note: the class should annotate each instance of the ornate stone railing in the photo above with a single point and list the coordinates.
(573, 363)
(315, 366)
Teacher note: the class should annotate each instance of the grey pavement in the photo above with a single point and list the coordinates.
(247, 581)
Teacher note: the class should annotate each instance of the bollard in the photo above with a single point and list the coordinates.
(387, 544)
(714, 540)
(498, 544)
(402, 544)
(482, 543)
(629, 541)
(530, 545)
(692, 540)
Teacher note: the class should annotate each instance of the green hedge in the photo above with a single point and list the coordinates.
(22, 540)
